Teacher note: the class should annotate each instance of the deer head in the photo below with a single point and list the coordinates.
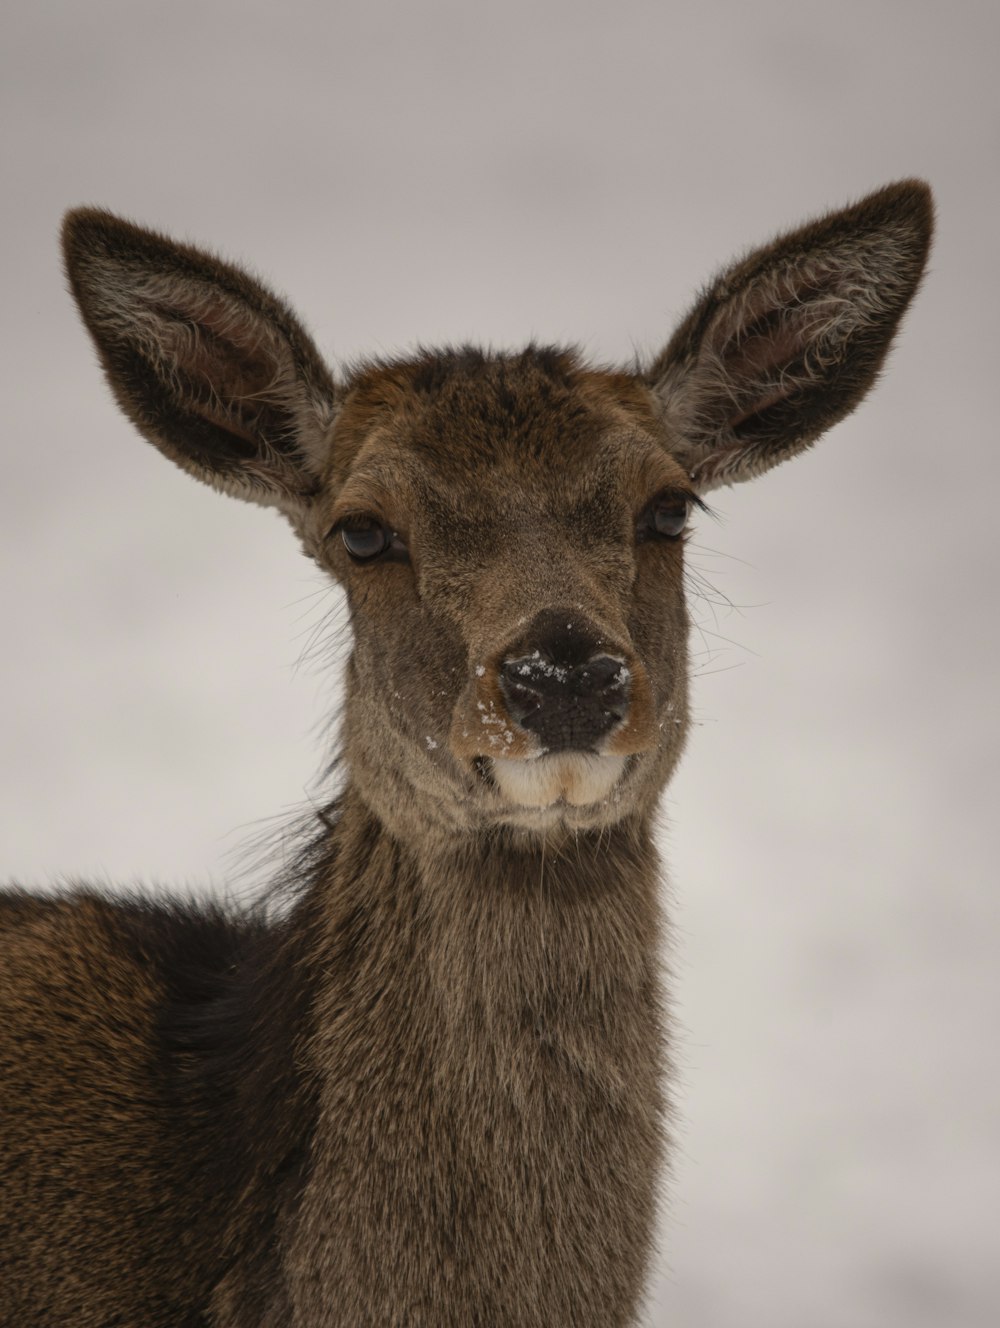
(509, 528)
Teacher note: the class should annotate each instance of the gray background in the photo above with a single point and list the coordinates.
(569, 171)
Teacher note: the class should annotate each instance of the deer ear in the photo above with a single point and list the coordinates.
(208, 364)
(786, 342)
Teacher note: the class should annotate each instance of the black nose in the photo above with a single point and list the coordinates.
(569, 706)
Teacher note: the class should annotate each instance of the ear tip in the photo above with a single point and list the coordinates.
(909, 201)
(94, 235)
(913, 194)
(76, 224)
(80, 221)
(89, 231)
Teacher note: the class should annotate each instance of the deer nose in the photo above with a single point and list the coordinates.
(568, 706)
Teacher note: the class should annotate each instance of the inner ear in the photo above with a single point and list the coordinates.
(770, 345)
(789, 339)
(229, 367)
(211, 366)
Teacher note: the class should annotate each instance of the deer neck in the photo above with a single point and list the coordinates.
(486, 921)
(487, 1047)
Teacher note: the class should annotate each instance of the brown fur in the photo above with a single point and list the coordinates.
(429, 1093)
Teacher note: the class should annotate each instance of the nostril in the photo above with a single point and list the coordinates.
(533, 676)
(603, 673)
(516, 683)
(607, 680)
(521, 701)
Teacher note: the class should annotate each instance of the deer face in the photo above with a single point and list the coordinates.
(509, 528)
(510, 534)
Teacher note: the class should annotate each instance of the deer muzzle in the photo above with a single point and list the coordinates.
(557, 710)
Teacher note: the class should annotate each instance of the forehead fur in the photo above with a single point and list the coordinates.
(465, 407)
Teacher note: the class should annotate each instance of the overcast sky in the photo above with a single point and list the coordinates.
(573, 172)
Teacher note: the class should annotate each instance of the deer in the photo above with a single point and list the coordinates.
(431, 1088)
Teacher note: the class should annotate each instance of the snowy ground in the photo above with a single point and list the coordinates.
(436, 172)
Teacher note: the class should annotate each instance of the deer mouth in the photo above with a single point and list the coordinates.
(574, 779)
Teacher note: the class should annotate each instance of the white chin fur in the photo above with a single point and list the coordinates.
(569, 777)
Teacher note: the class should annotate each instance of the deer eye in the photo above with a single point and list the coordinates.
(670, 518)
(366, 538)
(664, 518)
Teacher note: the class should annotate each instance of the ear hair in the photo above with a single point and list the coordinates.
(788, 340)
(210, 366)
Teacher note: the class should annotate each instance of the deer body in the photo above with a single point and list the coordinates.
(466, 1083)
(431, 1091)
